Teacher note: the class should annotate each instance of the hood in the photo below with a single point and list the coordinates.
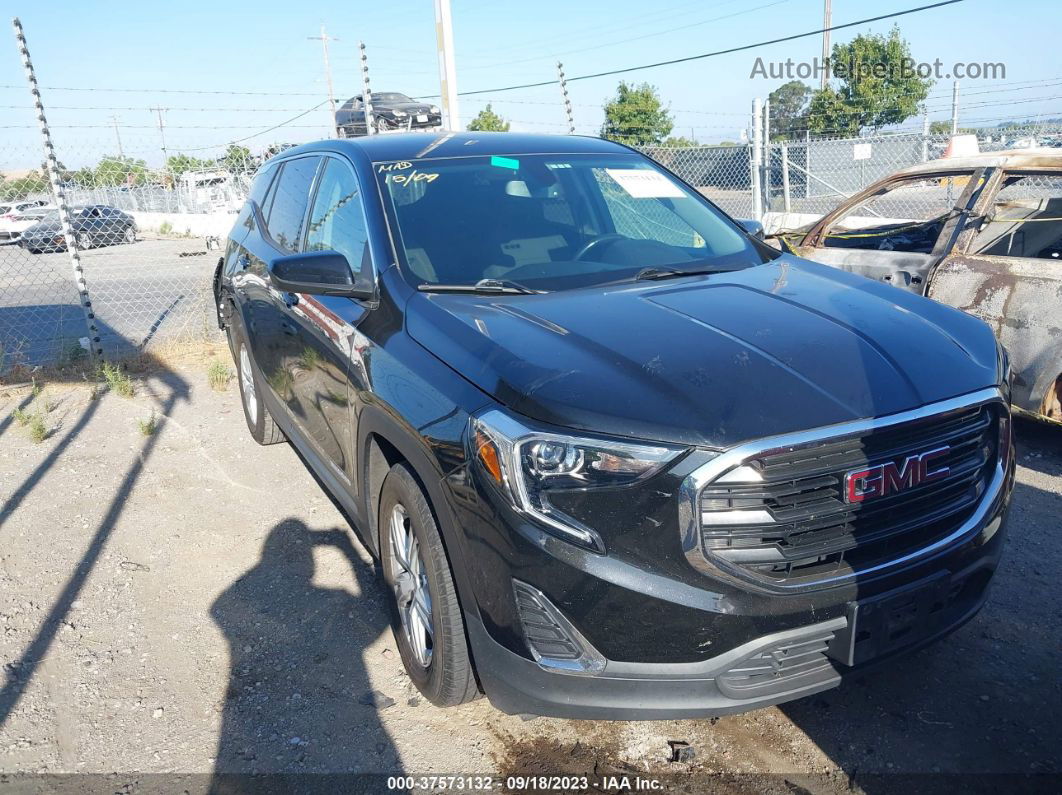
(712, 360)
(408, 107)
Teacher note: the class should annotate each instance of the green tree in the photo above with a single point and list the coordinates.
(115, 170)
(636, 116)
(179, 164)
(21, 187)
(789, 110)
(488, 121)
(944, 128)
(877, 86)
(679, 142)
(237, 159)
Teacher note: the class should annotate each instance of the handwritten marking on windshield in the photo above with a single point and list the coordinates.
(411, 177)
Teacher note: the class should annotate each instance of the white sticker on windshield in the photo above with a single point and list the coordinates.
(644, 183)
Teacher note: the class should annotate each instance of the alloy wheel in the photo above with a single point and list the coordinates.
(410, 584)
(247, 384)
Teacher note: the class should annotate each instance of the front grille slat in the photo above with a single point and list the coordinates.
(816, 531)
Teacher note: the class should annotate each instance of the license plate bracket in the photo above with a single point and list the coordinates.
(887, 622)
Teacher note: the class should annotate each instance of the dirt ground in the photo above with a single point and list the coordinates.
(187, 602)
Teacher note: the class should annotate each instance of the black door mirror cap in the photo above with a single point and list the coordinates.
(302, 273)
(751, 226)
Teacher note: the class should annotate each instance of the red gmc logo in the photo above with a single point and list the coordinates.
(890, 478)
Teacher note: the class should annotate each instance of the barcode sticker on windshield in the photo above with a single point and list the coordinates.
(643, 183)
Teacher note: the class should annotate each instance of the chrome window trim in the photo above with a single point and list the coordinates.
(724, 462)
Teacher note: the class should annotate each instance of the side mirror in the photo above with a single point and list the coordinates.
(316, 273)
(752, 226)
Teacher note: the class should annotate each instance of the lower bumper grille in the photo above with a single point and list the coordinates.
(793, 515)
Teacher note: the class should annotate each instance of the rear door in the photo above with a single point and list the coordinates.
(897, 230)
(1007, 270)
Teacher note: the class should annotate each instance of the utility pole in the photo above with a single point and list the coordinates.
(825, 45)
(324, 38)
(444, 37)
(117, 135)
(955, 107)
(162, 132)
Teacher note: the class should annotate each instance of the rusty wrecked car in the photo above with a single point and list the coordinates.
(982, 233)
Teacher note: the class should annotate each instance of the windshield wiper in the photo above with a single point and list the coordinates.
(653, 274)
(483, 286)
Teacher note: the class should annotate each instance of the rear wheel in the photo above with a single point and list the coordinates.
(259, 421)
(425, 614)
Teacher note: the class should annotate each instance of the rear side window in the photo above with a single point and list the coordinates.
(261, 185)
(337, 222)
(288, 207)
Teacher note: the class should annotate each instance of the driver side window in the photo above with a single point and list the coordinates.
(905, 216)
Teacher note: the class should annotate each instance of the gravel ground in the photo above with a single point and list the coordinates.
(188, 602)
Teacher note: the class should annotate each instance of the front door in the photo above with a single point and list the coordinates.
(896, 231)
(325, 324)
(1007, 270)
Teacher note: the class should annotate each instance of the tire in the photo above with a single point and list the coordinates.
(382, 126)
(448, 678)
(83, 240)
(260, 423)
(129, 236)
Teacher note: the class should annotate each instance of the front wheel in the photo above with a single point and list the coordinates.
(83, 241)
(425, 614)
(382, 126)
(130, 234)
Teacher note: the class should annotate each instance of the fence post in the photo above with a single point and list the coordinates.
(51, 164)
(757, 154)
(807, 162)
(766, 179)
(786, 205)
(567, 102)
(366, 94)
(955, 107)
(925, 135)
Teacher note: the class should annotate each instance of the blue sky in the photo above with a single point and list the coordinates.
(263, 46)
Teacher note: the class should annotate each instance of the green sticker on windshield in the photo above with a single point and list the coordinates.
(505, 162)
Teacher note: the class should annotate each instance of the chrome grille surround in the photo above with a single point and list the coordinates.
(735, 465)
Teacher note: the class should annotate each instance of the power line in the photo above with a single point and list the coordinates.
(727, 51)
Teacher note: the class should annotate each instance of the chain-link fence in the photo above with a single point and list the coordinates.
(145, 226)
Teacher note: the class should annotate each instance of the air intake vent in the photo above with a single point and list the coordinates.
(555, 644)
(779, 669)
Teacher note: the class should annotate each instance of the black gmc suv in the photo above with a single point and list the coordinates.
(616, 457)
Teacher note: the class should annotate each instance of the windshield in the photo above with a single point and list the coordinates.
(386, 96)
(552, 222)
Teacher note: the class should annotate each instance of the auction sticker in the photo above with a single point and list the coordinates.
(644, 183)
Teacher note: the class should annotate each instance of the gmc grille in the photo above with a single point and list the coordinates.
(783, 517)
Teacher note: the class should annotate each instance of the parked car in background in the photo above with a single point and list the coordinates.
(390, 111)
(94, 225)
(9, 210)
(617, 457)
(12, 225)
(982, 233)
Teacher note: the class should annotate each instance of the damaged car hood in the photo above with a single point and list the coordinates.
(710, 360)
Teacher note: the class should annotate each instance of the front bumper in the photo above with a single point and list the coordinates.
(673, 642)
(767, 670)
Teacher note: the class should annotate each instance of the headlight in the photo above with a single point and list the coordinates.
(529, 466)
(433, 109)
(399, 114)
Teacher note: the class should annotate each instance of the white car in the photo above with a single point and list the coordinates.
(14, 223)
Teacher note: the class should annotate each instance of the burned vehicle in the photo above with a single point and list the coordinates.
(982, 233)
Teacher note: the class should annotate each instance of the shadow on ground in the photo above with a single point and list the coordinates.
(299, 696)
